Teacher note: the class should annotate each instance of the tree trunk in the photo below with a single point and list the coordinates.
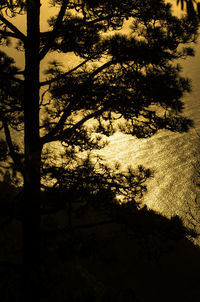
(31, 214)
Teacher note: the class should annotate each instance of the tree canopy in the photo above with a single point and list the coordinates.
(125, 81)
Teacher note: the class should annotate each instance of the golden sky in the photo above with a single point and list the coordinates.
(46, 12)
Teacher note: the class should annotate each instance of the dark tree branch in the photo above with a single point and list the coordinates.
(48, 82)
(14, 29)
(101, 68)
(53, 33)
(13, 154)
(51, 135)
(13, 109)
(8, 34)
(90, 22)
(19, 72)
(69, 132)
(58, 126)
(11, 77)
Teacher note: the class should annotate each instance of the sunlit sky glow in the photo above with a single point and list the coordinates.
(46, 12)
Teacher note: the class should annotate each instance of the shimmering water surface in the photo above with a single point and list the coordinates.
(173, 158)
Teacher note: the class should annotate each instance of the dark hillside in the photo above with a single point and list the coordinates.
(138, 255)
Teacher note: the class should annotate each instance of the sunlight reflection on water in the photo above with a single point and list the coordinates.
(172, 157)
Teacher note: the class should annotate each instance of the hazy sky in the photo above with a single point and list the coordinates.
(20, 21)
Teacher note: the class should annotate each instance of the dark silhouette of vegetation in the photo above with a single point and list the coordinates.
(122, 81)
(112, 261)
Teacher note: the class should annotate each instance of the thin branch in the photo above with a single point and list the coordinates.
(58, 126)
(86, 118)
(43, 95)
(14, 29)
(11, 77)
(93, 74)
(19, 72)
(9, 141)
(68, 132)
(51, 136)
(8, 34)
(13, 109)
(53, 123)
(64, 74)
(101, 68)
(85, 23)
(53, 33)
